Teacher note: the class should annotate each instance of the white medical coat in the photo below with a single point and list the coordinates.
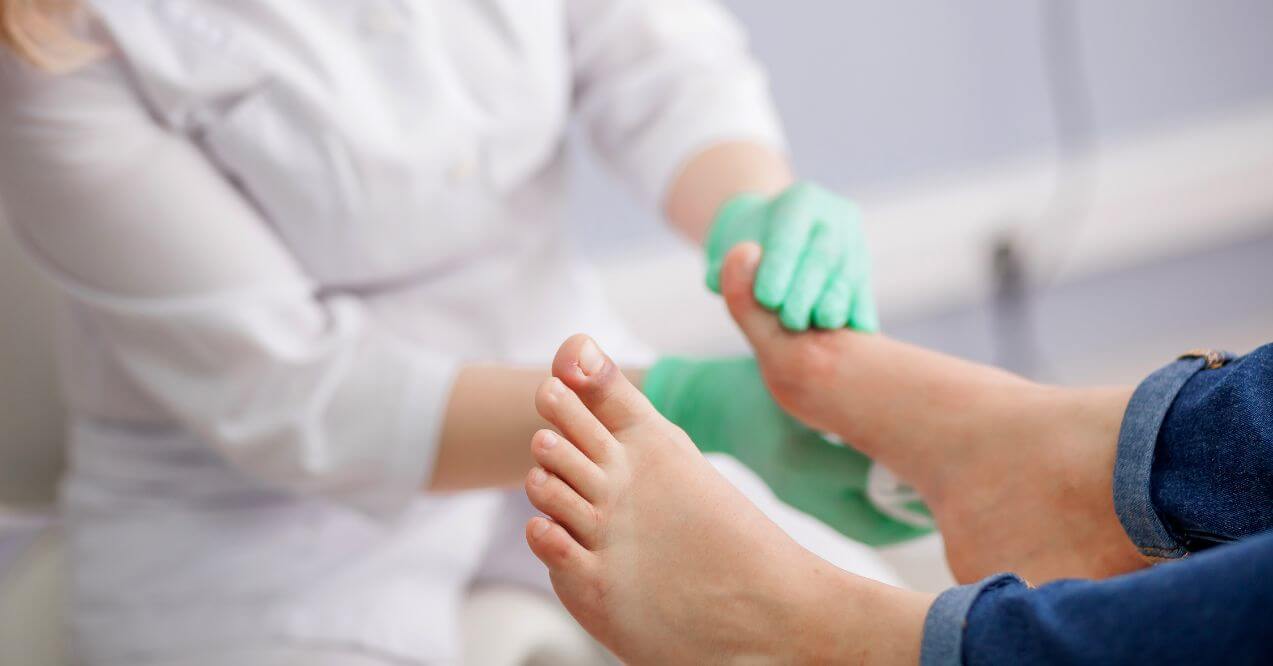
(279, 226)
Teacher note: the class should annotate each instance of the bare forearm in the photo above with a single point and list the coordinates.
(488, 422)
(718, 173)
(491, 417)
(485, 440)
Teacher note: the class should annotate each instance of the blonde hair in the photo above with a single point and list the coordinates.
(39, 31)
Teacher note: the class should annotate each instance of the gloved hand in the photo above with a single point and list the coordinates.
(815, 269)
(723, 405)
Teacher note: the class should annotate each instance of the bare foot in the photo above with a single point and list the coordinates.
(664, 562)
(1019, 476)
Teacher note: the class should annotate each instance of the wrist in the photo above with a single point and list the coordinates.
(718, 173)
(736, 205)
(729, 217)
(738, 219)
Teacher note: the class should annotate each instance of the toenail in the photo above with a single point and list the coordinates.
(547, 441)
(590, 358)
(538, 477)
(540, 527)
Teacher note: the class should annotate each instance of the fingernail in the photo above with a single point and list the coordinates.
(538, 477)
(540, 527)
(590, 358)
(547, 440)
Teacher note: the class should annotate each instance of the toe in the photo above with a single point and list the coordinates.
(557, 455)
(554, 546)
(737, 279)
(562, 408)
(552, 496)
(586, 370)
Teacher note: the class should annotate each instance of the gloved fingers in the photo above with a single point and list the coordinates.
(816, 266)
(857, 265)
(738, 287)
(790, 225)
(835, 303)
(740, 219)
(864, 317)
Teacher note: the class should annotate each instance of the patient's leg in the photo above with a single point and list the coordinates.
(664, 562)
(1018, 475)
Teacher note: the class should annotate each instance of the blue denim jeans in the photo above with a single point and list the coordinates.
(1193, 483)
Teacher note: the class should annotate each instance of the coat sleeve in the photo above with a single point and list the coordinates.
(190, 293)
(657, 81)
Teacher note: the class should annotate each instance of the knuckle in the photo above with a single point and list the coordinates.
(600, 435)
(562, 550)
(544, 493)
(543, 396)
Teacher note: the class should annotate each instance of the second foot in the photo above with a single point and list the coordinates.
(664, 562)
(1019, 476)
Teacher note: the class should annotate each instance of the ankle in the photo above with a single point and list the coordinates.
(1080, 425)
(960, 421)
(1097, 413)
(849, 619)
(892, 397)
(1082, 429)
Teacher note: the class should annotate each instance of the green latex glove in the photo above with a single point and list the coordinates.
(815, 268)
(725, 408)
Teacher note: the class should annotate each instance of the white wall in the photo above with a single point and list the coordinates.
(879, 92)
(935, 116)
(883, 95)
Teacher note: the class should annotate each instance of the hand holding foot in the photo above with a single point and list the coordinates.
(664, 562)
(1017, 475)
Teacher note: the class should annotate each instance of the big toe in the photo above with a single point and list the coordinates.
(738, 279)
(604, 390)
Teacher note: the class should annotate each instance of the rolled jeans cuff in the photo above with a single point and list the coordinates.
(1134, 461)
(948, 616)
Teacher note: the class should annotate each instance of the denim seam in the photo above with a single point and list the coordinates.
(1137, 439)
(944, 624)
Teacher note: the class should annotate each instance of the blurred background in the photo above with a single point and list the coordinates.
(1078, 190)
(1122, 150)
